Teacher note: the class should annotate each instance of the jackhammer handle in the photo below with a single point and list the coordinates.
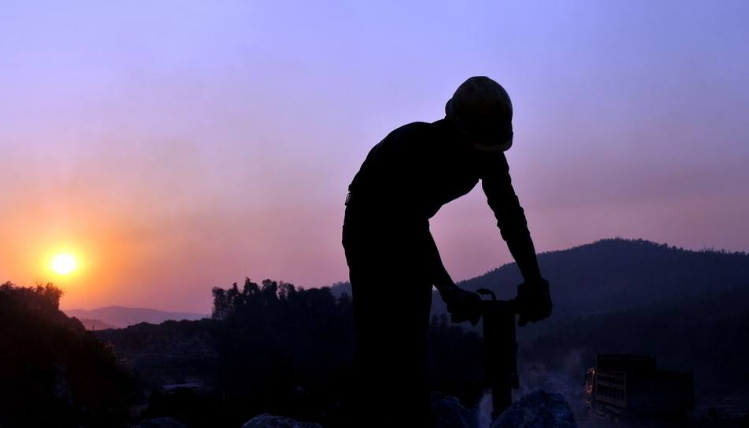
(486, 292)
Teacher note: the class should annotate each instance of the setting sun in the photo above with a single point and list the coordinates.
(63, 263)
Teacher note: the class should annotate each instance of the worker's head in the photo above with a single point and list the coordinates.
(482, 110)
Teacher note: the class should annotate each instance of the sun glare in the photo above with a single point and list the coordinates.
(63, 263)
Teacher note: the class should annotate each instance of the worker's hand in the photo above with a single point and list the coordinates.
(533, 301)
(463, 305)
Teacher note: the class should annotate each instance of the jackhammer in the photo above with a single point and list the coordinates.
(500, 350)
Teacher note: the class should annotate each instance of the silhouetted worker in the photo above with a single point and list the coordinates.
(393, 260)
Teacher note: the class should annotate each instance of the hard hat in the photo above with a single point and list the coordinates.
(483, 111)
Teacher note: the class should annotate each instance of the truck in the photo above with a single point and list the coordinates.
(628, 388)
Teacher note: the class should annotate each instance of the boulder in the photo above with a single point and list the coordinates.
(269, 421)
(539, 409)
(161, 423)
(447, 412)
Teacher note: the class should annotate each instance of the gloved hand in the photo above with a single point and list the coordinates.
(461, 304)
(533, 301)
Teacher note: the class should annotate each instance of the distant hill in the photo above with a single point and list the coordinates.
(120, 317)
(619, 274)
(614, 275)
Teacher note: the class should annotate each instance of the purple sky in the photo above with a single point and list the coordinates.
(179, 145)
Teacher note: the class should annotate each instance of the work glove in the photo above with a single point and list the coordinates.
(533, 301)
(461, 304)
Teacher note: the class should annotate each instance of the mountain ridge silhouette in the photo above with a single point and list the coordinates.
(123, 316)
(615, 274)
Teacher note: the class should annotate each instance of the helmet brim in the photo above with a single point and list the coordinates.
(493, 147)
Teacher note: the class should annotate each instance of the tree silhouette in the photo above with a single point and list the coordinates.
(53, 371)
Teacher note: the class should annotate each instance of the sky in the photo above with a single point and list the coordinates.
(174, 146)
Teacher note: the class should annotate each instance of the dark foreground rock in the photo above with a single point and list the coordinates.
(539, 409)
(449, 413)
(270, 421)
(161, 423)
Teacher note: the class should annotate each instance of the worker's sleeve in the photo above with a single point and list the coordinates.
(503, 201)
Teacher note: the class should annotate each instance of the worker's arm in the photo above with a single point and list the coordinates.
(509, 213)
(533, 298)
(463, 305)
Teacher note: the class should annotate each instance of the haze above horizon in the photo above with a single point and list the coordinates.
(177, 146)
